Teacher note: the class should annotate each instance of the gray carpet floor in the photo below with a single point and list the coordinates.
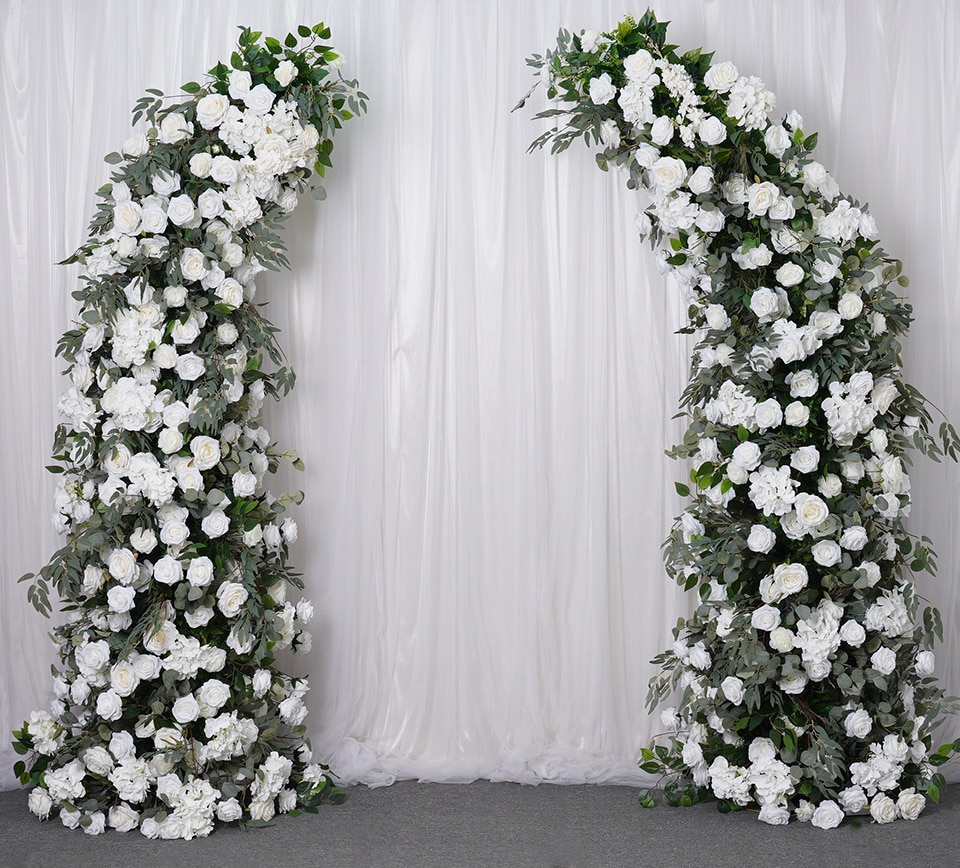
(496, 824)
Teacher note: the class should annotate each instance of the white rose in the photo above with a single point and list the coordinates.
(168, 570)
(239, 84)
(871, 572)
(765, 618)
(192, 264)
(830, 486)
(98, 761)
(602, 90)
(174, 128)
(224, 170)
(782, 209)
(135, 146)
(768, 414)
(123, 818)
(244, 483)
(827, 815)
(200, 164)
(190, 367)
(853, 634)
(200, 571)
(699, 657)
(668, 173)
(181, 210)
(910, 804)
(761, 196)
(124, 678)
(827, 553)
(712, 131)
(716, 316)
(736, 474)
(40, 802)
(781, 639)
(210, 204)
(853, 800)
(199, 617)
(214, 693)
(721, 77)
(764, 303)
(174, 296)
(910, 425)
(211, 110)
(216, 524)
(229, 810)
(732, 688)
(884, 660)
(147, 667)
(805, 459)
(761, 539)
(774, 815)
(707, 221)
(165, 183)
(811, 510)
(122, 564)
(850, 305)
(230, 293)
(817, 669)
(883, 809)
(165, 356)
(143, 540)
(814, 174)
(206, 452)
(121, 598)
(803, 384)
(701, 181)
(661, 131)
(261, 682)
(790, 578)
(854, 537)
(858, 724)
(186, 709)
(230, 597)
(185, 332)
(747, 455)
(258, 100)
(926, 662)
(227, 333)
(883, 394)
(793, 683)
(735, 190)
(769, 590)
(109, 705)
(777, 140)
(170, 440)
(789, 274)
(126, 218)
(285, 72)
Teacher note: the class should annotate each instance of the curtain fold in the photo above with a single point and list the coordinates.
(486, 358)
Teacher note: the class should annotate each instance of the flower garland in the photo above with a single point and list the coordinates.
(805, 684)
(170, 712)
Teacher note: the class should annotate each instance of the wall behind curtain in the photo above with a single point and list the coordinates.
(486, 358)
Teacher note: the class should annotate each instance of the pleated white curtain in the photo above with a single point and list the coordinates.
(486, 358)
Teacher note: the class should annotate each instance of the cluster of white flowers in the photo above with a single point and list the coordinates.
(181, 600)
(798, 423)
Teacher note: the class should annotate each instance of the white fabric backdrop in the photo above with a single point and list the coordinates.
(486, 358)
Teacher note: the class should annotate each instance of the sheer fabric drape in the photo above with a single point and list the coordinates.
(486, 358)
